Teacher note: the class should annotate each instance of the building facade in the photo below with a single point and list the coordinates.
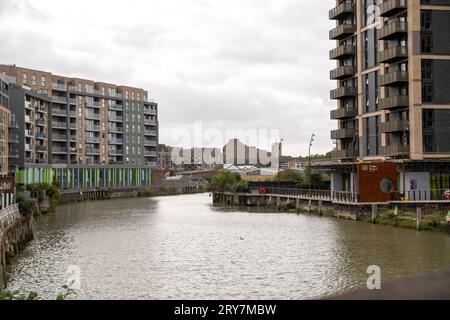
(393, 90)
(79, 124)
(7, 122)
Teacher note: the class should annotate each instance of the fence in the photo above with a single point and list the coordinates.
(327, 195)
(428, 195)
(8, 215)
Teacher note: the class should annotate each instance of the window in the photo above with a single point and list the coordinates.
(427, 93)
(428, 143)
(24, 78)
(426, 20)
(33, 80)
(43, 81)
(426, 43)
(428, 119)
(427, 69)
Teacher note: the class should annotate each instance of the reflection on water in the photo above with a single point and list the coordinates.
(183, 248)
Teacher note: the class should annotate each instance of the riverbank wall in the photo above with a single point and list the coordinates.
(13, 239)
(71, 196)
(418, 215)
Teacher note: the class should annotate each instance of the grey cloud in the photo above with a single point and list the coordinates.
(230, 64)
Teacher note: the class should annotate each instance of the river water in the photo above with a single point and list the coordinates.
(183, 248)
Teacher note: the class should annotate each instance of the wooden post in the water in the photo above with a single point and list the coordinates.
(374, 212)
(320, 207)
(297, 204)
(418, 217)
(278, 202)
(309, 206)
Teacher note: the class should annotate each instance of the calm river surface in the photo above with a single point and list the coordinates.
(183, 248)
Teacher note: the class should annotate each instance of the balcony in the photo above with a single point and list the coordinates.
(92, 151)
(342, 72)
(59, 112)
(72, 114)
(73, 101)
(116, 107)
(28, 119)
(59, 125)
(115, 119)
(395, 150)
(341, 11)
(13, 153)
(150, 111)
(394, 102)
(29, 133)
(58, 99)
(114, 129)
(393, 54)
(115, 141)
(93, 104)
(345, 133)
(93, 128)
(59, 137)
(73, 138)
(393, 30)
(40, 109)
(41, 148)
(342, 52)
(12, 124)
(394, 126)
(392, 7)
(148, 143)
(29, 147)
(393, 78)
(343, 113)
(346, 154)
(93, 116)
(59, 150)
(343, 31)
(13, 138)
(40, 135)
(59, 87)
(150, 122)
(73, 126)
(343, 92)
(150, 154)
(93, 140)
(40, 122)
(115, 152)
(152, 133)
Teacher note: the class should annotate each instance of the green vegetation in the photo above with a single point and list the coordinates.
(320, 181)
(42, 190)
(227, 181)
(16, 295)
(26, 205)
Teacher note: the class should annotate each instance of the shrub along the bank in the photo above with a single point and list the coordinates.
(46, 189)
(227, 181)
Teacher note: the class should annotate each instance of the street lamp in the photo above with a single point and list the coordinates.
(309, 160)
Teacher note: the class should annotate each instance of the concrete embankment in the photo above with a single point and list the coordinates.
(419, 215)
(13, 239)
(105, 194)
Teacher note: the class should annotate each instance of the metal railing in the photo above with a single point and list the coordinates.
(428, 195)
(327, 195)
(8, 215)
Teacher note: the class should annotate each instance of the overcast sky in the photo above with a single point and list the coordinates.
(228, 63)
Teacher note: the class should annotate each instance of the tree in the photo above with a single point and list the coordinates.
(225, 181)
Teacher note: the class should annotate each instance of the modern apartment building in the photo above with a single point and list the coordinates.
(6, 123)
(76, 123)
(392, 93)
